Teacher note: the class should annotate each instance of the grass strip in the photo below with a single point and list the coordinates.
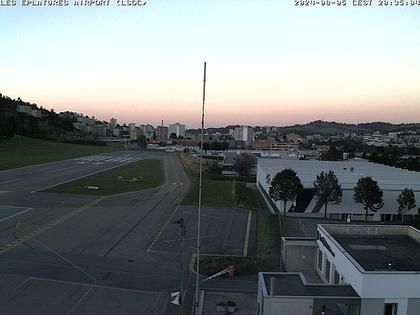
(150, 170)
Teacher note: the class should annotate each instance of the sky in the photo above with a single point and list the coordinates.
(268, 62)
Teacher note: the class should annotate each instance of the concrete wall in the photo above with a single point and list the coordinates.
(372, 307)
(299, 258)
(413, 307)
(287, 306)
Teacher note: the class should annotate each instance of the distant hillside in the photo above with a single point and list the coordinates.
(330, 128)
(48, 125)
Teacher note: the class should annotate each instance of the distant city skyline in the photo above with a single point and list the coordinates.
(269, 63)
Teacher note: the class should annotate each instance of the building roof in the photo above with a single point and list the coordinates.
(382, 253)
(377, 247)
(294, 284)
(348, 172)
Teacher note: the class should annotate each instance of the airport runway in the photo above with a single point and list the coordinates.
(76, 254)
(67, 245)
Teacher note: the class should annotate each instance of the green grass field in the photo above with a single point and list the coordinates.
(18, 152)
(108, 183)
(219, 193)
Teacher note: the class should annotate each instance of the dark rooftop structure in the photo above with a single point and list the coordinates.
(383, 252)
(386, 248)
(294, 284)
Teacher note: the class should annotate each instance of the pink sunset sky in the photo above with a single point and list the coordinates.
(269, 63)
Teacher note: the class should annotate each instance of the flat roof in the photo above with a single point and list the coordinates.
(294, 284)
(382, 252)
(348, 172)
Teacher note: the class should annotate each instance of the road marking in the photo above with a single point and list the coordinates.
(189, 238)
(26, 280)
(9, 181)
(203, 215)
(13, 215)
(27, 237)
(161, 230)
(248, 227)
(61, 169)
(4, 191)
(93, 285)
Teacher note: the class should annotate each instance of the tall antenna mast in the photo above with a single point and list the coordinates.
(197, 282)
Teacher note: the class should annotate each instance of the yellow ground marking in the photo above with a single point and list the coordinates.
(27, 237)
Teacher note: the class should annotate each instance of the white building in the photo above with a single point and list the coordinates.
(362, 269)
(243, 133)
(177, 129)
(24, 109)
(390, 179)
(113, 122)
(148, 130)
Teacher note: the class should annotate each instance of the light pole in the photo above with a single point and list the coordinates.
(197, 281)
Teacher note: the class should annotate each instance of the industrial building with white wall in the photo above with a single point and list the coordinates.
(390, 179)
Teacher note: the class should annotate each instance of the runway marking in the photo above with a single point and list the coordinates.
(27, 237)
(248, 227)
(61, 169)
(23, 282)
(9, 181)
(73, 179)
(161, 230)
(92, 285)
(13, 215)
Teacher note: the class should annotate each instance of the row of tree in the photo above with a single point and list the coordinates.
(286, 186)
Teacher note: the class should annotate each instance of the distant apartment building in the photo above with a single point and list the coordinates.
(162, 133)
(148, 130)
(376, 139)
(24, 109)
(177, 129)
(36, 113)
(243, 133)
(29, 111)
(135, 133)
(113, 122)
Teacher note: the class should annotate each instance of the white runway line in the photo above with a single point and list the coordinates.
(13, 215)
(61, 169)
(9, 181)
(248, 227)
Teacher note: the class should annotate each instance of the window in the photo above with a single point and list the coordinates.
(390, 309)
(327, 270)
(336, 277)
(319, 260)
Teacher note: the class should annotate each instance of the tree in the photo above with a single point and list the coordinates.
(332, 154)
(172, 136)
(407, 201)
(327, 189)
(285, 187)
(369, 194)
(141, 141)
(243, 164)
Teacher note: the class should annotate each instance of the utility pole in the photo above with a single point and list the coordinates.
(197, 282)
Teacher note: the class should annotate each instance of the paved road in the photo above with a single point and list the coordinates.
(73, 254)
